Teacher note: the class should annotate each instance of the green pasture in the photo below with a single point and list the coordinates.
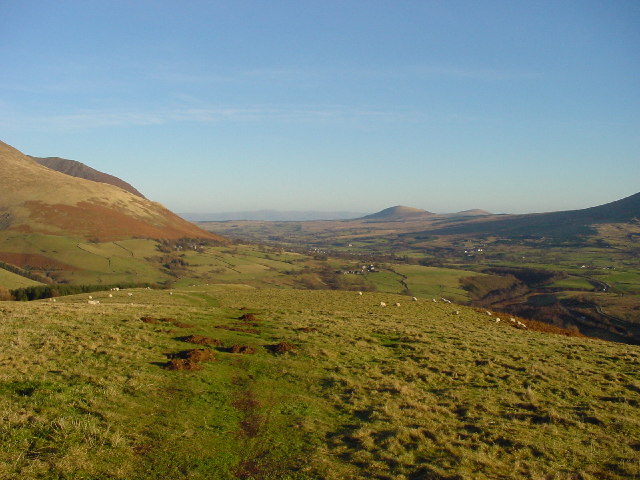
(435, 282)
(10, 280)
(408, 392)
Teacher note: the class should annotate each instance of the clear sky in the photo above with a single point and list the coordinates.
(206, 106)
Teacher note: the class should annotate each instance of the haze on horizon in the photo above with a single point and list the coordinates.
(226, 106)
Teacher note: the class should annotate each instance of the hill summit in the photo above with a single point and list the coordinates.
(36, 199)
(399, 212)
(80, 170)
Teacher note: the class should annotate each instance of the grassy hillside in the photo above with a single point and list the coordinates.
(397, 392)
(10, 280)
(36, 199)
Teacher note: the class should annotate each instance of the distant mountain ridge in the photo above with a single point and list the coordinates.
(80, 170)
(553, 223)
(399, 212)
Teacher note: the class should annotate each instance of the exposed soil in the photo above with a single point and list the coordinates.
(200, 340)
(150, 320)
(282, 347)
(245, 349)
(248, 317)
(189, 359)
(247, 403)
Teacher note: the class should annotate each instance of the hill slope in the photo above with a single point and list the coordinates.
(36, 199)
(409, 392)
(564, 223)
(80, 170)
(399, 212)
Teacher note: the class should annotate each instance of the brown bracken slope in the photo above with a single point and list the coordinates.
(36, 199)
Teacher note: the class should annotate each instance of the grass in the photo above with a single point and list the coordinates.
(405, 392)
(10, 280)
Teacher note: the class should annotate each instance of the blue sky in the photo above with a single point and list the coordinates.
(205, 106)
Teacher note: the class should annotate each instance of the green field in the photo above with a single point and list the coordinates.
(10, 280)
(408, 392)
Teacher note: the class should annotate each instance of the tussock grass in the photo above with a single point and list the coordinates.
(361, 391)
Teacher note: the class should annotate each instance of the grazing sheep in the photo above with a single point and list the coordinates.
(397, 304)
(497, 320)
(359, 293)
(170, 293)
(488, 312)
(382, 304)
(512, 320)
(93, 302)
(110, 296)
(445, 300)
(90, 297)
(434, 300)
(414, 299)
(456, 312)
(54, 299)
(130, 294)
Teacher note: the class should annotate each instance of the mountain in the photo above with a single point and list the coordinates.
(468, 213)
(270, 216)
(399, 212)
(36, 199)
(80, 170)
(564, 223)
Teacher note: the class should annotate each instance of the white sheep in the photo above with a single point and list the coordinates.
(359, 293)
(93, 302)
(397, 304)
(382, 304)
(130, 294)
(456, 312)
(110, 296)
(434, 300)
(414, 299)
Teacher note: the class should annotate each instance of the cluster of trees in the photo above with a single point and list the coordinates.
(48, 291)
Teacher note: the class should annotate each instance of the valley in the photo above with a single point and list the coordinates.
(401, 345)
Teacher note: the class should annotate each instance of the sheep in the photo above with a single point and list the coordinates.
(434, 300)
(130, 294)
(170, 293)
(110, 296)
(512, 320)
(397, 304)
(359, 293)
(382, 304)
(90, 297)
(414, 299)
(488, 312)
(93, 302)
(445, 300)
(497, 320)
(456, 312)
